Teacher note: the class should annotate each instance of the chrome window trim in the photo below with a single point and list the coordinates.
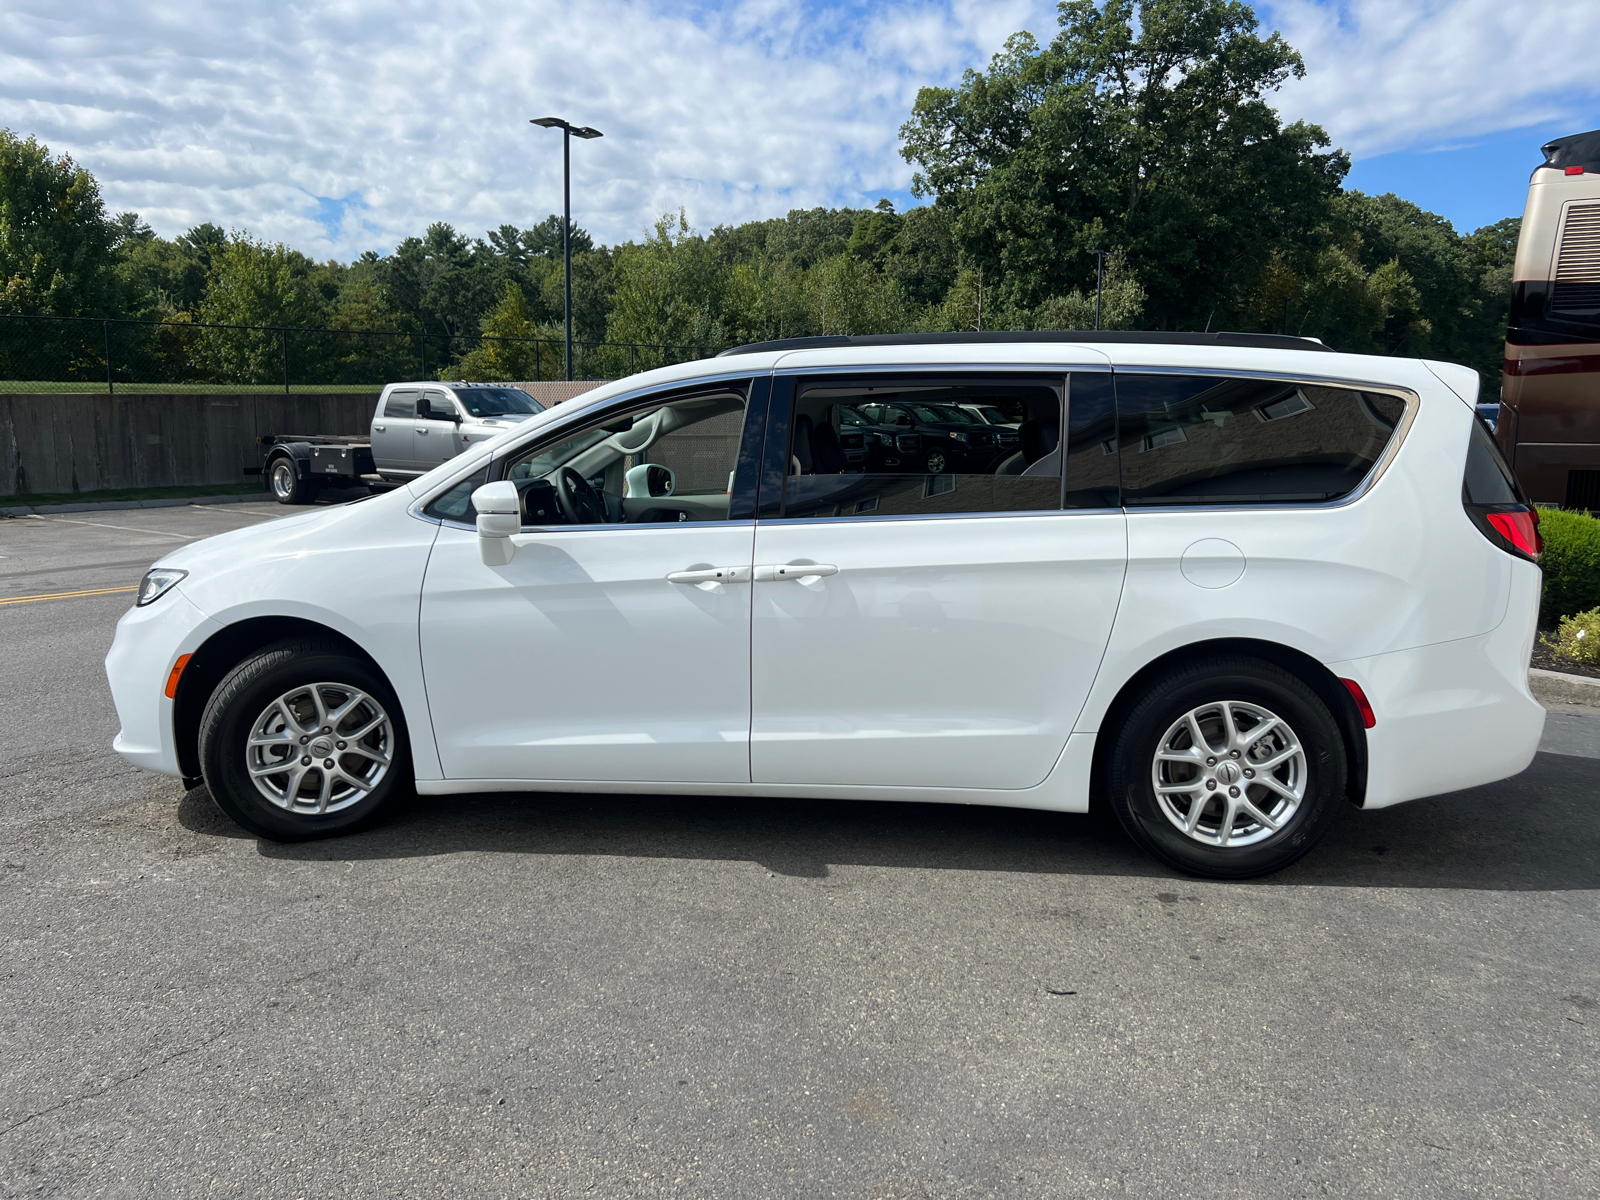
(1009, 513)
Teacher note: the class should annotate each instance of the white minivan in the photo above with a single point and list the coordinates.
(1223, 584)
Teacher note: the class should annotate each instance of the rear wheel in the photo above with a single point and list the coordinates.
(303, 740)
(1230, 767)
(287, 486)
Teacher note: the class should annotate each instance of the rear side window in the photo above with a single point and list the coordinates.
(924, 445)
(1204, 439)
(1487, 480)
(401, 404)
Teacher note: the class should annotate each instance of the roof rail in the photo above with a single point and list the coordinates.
(1259, 341)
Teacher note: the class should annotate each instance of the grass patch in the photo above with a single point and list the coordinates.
(45, 386)
(35, 499)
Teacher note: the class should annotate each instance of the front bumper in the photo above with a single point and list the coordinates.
(148, 643)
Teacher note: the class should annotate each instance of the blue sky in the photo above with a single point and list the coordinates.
(342, 128)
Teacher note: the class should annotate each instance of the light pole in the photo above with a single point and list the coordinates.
(568, 131)
(1099, 283)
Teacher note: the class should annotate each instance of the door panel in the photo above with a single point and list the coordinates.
(580, 660)
(394, 431)
(942, 653)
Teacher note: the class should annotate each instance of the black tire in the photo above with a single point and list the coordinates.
(244, 695)
(1246, 681)
(936, 463)
(285, 483)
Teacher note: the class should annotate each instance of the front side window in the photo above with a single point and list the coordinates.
(887, 448)
(1203, 439)
(672, 463)
(436, 406)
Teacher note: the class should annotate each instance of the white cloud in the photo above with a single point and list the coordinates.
(403, 113)
(244, 115)
(1385, 75)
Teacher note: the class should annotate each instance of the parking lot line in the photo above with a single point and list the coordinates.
(132, 587)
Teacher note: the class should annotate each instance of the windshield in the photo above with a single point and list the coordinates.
(994, 416)
(539, 465)
(498, 402)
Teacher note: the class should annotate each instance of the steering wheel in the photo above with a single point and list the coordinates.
(577, 499)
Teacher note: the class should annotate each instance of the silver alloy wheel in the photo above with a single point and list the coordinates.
(1229, 773)
(319, 748)
(936, 463)
(283, 479)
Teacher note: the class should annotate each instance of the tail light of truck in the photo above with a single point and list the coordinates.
(1494, 501)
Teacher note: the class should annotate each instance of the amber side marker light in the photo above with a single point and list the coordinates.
(177, 670)
(1368, 717)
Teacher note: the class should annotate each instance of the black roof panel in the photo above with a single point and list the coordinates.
(1126, 337)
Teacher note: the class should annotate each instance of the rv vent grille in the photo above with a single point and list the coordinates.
(1579, 261)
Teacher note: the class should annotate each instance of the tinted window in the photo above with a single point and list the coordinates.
(1193, 439)
(400, 404)
(1092, 471)
(1487, 479)
(895, 448)
(496, 402)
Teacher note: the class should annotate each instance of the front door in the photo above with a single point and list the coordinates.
(615, 646)
(913, 629)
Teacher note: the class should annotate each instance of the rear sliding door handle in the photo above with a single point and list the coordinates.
(711, 575)
(771, 574)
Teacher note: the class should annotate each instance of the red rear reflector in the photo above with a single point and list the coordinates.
(177, 670)
(1574, 170)
(1368, 718)
(1521, 529)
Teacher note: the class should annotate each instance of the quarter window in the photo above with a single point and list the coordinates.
(1197, 439)
(894, 448)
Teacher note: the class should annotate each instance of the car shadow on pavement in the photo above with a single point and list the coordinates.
(1537, 832)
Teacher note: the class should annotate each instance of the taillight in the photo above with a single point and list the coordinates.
(1521, 529)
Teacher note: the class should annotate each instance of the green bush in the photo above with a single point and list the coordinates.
(1571, 563)
(1578, 638)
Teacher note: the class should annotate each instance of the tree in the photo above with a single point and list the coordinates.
(506, 354)
(255, 284)
(1141, 128)
(56, 243)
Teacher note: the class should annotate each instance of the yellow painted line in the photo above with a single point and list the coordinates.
(132, 587)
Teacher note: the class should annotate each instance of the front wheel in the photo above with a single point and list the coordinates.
(303, 740)
(1231, 767)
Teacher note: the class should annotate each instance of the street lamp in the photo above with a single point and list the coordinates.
(568, 132)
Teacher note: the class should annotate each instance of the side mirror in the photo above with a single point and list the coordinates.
(499, 511)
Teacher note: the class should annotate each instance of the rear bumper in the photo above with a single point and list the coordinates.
(1453, 715)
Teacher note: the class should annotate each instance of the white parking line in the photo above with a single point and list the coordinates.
(182, 537)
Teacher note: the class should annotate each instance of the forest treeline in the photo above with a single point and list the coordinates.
(1141, 129)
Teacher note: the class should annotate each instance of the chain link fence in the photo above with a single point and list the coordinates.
(82, 354)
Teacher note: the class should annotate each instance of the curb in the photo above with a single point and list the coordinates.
(44, 510)
(1557, 687)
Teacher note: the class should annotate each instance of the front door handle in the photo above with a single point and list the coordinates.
(422, 429)
(771, 574)
(711, 575)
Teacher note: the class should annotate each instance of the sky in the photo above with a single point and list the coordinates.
(344, 126)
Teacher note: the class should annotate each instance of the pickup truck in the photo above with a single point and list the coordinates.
(415, 427)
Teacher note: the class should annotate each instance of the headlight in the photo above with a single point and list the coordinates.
(960, 437)
(157, 583)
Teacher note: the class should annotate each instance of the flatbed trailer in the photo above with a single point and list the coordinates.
(297, 466)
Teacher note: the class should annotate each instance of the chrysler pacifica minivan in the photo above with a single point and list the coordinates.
(1224, 585)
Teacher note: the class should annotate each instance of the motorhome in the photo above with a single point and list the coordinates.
(1549, 421)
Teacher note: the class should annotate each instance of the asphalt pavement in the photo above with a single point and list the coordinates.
(637, 996)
